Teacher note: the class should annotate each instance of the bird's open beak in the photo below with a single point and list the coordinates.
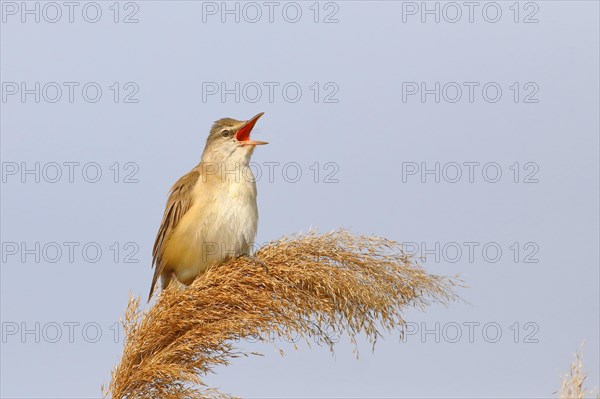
(243, 134)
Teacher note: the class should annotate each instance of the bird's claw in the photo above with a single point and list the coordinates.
(258, 261)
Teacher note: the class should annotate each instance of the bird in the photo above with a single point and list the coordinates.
(211, 213)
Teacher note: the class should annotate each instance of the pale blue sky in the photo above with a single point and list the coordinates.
(371, 137)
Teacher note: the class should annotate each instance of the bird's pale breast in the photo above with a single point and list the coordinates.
(221, 223)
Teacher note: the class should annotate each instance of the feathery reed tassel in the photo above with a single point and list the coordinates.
(572, 383)
(307, 285)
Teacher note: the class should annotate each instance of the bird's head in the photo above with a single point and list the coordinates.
(229, 140)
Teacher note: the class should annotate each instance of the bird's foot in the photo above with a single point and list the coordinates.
(257, 261)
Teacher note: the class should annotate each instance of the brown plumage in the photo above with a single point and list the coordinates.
(179, 202)
(211, 214)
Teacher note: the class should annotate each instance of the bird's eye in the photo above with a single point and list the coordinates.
(226, 133)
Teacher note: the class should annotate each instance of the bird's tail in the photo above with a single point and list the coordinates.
(165, 279)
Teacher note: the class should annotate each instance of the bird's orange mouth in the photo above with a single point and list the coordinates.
(243, 134)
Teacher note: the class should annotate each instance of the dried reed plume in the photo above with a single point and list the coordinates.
(572, 382)
(308, 286)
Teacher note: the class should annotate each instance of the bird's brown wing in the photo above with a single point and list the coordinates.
(179, 202)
